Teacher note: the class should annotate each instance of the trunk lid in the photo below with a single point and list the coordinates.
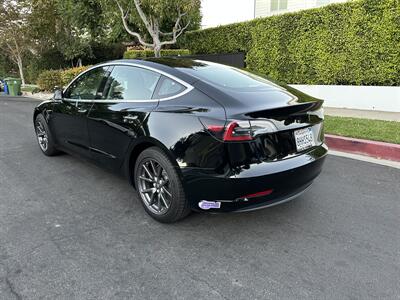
(276, 116)
(286, 107)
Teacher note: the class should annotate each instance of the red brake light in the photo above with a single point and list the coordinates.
(232, 132)
(215, 128)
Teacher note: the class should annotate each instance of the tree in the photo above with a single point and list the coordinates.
(82, 24)
(13, 31)
(68, 26)
(158, 16)
(6, 65)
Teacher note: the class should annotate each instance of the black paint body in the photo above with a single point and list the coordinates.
(210, 169)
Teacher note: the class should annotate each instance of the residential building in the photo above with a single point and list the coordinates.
(265, 8)
(222, 12)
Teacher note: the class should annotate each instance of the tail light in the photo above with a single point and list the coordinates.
(234, 131)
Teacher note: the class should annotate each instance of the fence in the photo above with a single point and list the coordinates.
(232, 59)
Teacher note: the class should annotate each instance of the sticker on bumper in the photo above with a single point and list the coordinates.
(209, 204)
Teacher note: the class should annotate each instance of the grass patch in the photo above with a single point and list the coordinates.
(30, 88)
(377, 130)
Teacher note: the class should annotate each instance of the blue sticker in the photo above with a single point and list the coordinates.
(209, 204)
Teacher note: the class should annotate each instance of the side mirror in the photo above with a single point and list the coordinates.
(58, 94)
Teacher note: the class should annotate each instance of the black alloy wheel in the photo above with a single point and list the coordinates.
(159, 187)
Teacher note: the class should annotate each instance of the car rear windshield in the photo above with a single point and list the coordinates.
(228, 77)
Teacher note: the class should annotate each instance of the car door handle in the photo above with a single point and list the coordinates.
(82, 111)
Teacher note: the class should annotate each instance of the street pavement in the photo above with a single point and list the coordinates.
(70, 230)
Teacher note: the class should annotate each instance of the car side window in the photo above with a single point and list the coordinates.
(131, 83)
(88, 86)
(168, 88)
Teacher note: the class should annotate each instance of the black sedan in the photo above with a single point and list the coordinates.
(189, 134)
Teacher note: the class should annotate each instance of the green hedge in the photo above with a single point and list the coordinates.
(49, 79)
(69, 74)
(351, 43)
(223, 39)
(150, 53)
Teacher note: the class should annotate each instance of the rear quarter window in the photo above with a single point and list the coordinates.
(168, 88)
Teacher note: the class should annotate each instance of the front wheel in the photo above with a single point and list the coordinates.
(159, 187)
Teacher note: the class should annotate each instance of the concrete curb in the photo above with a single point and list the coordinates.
(364, 147)
(38, 96)
(20, 99)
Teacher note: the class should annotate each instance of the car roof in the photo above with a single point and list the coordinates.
(169, 65)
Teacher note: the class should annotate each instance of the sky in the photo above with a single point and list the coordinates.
(218, 12)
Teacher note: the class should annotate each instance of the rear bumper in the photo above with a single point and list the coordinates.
(287, 178)
(275, 201)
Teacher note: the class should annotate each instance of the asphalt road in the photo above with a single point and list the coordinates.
(69, 230)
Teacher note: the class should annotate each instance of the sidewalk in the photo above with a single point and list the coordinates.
(38, 96)
(365, 114)
(26, 96)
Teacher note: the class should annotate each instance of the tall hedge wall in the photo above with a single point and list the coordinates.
(223, 39)
(351, 43)
(133, 54)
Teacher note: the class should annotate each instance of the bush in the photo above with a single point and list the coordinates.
(69, 74)
(48, 80)
(223, 39)
(30, 88)
(350, 43)
(134, 54)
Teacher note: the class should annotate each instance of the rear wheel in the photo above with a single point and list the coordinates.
(159, 187)
(44, 138)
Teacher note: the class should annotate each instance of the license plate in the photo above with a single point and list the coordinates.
(304, 139)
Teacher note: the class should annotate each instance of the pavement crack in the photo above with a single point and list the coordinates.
(12, 289)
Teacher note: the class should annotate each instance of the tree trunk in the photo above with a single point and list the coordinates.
(21, 70)
(157, 51)
(156, 44)
(152, 25)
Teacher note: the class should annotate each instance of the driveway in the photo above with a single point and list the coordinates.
(69, 230)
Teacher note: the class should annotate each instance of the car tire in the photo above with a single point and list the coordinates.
(44, 137)
(167, 192)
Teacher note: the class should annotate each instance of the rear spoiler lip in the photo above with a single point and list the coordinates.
(286, 111)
